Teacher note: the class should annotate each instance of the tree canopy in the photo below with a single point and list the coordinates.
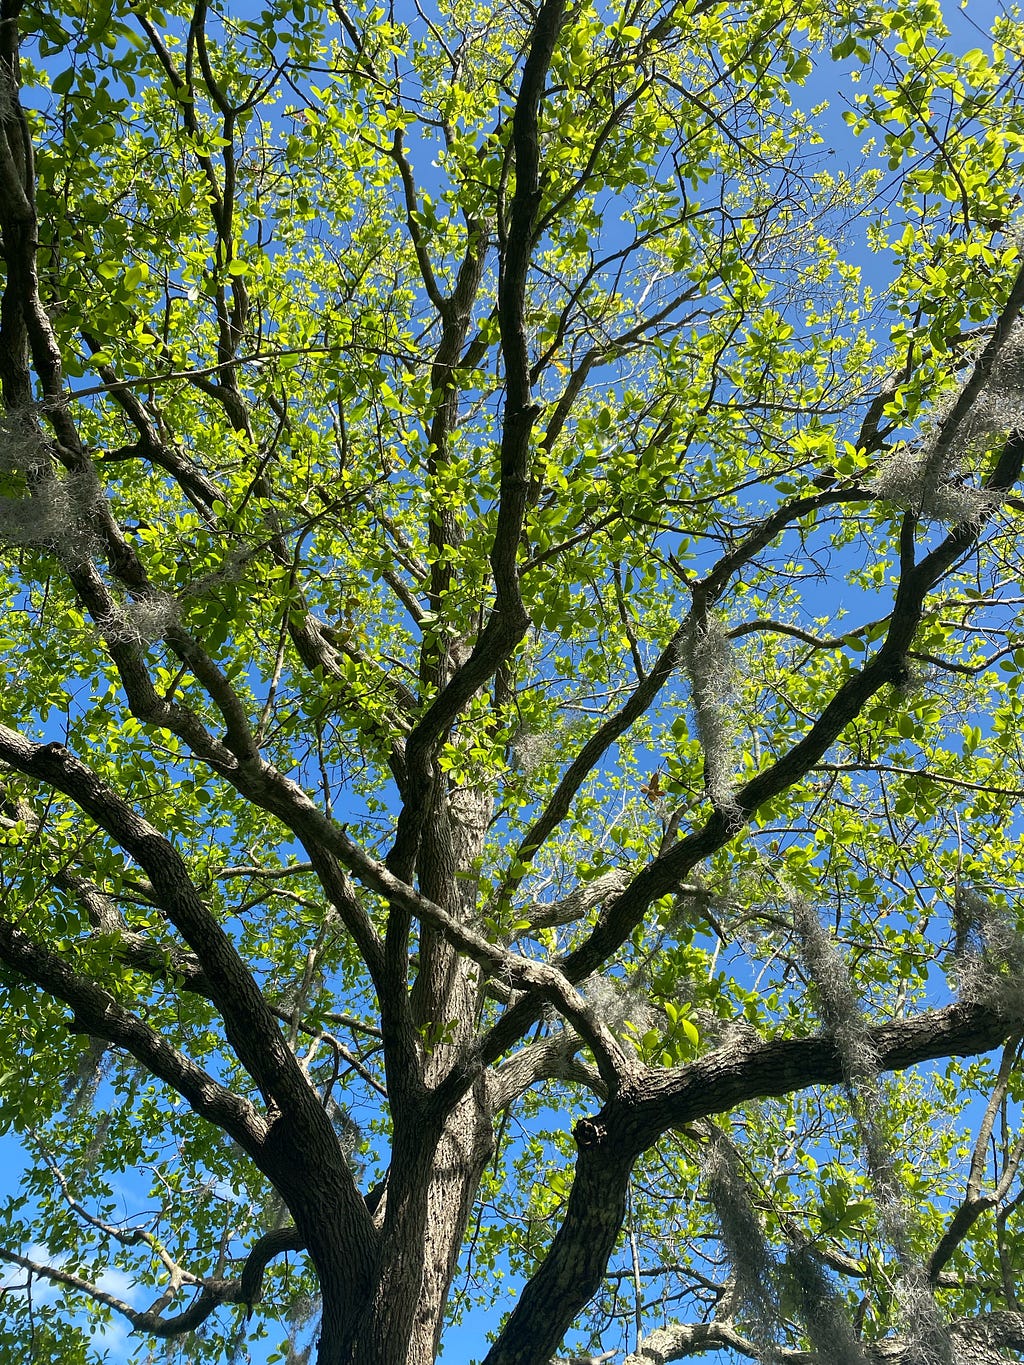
(510, 745)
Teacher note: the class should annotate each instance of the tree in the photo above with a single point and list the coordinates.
(510, 744)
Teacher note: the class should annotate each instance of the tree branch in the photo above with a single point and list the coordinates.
(636, 1116)
(980, 1339)
(246, 1289)
(300, 1137)
(95, 1011)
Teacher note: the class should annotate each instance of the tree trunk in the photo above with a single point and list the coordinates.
(434, 1175)
(462, 1155)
